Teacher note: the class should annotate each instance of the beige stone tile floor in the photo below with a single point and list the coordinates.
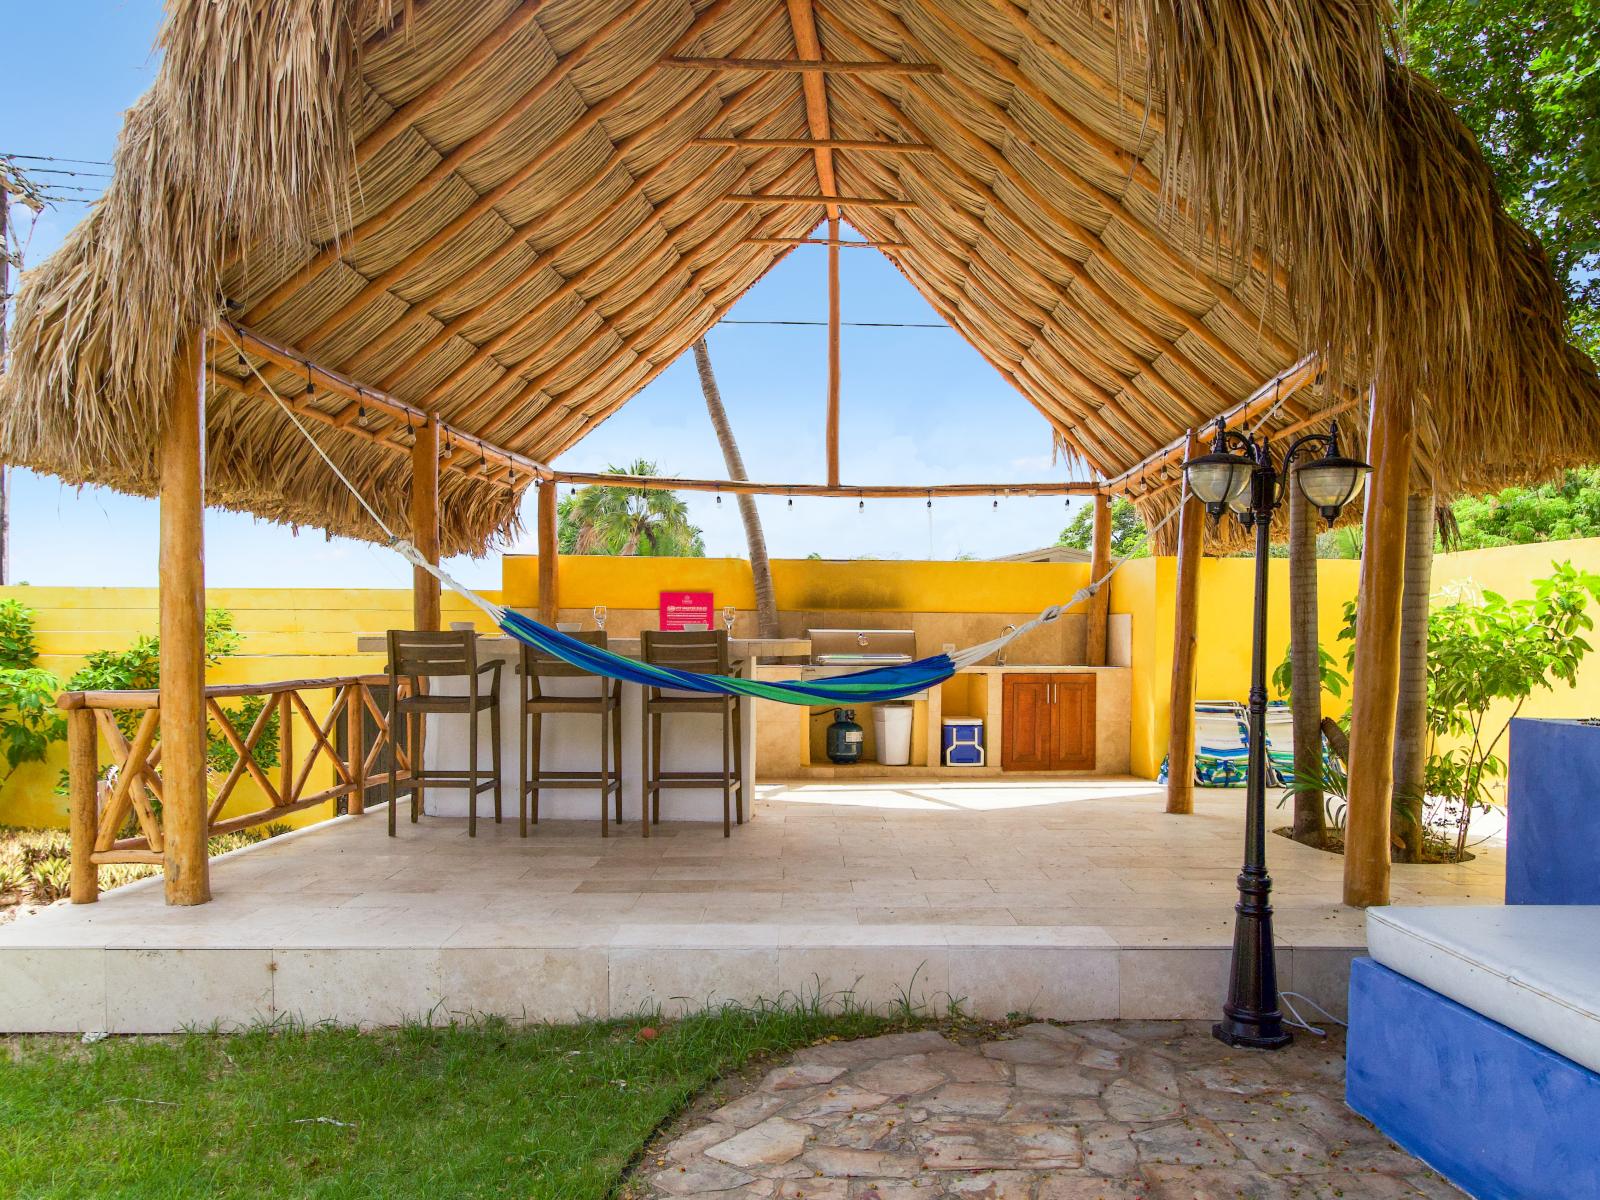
(1073, 899)
(1127, 1110)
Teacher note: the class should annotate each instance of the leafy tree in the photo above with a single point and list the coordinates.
(627, 520)
(1343, 542)
(1525, 76)
(1550, 512)
(1129, 538)
(138, 668)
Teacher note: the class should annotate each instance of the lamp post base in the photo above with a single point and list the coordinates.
(1251, 1036)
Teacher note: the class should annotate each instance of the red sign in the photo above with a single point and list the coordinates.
(686, 610)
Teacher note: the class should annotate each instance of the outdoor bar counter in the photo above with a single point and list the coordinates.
(690, 741)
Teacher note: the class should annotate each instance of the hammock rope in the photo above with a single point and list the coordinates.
(856, 687)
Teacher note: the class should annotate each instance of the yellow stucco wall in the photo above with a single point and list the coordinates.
(310, 632)
(850, 584)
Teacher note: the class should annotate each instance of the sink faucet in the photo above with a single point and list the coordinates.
(1000, 655)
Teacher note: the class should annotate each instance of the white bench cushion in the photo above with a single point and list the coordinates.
(1534, 968)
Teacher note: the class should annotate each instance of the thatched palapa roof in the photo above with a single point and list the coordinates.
(515, 213)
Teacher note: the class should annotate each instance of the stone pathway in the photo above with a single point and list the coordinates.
(1120, 1110)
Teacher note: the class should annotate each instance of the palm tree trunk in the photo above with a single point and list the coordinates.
(1305, 670)
(760, 567)
(1411, 713)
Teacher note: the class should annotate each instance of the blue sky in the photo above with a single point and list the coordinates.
(919, 405)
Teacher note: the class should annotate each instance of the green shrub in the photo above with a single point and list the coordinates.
(29, 719)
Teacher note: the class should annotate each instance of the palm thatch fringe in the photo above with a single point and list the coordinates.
(1135, 220)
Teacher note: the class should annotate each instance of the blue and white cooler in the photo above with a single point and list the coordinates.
(963, 742)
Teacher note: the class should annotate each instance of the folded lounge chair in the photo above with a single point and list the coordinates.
(1221, 747)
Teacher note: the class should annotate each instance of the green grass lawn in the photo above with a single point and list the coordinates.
(439, 1112)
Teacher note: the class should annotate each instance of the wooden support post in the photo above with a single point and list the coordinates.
(549, 552)
(425, 523)
(1185, 642)
(1376, 680)
(286, 764)
(183, 618)
(83, 780)
(833, 352)
(1099, 565)
(355, 737)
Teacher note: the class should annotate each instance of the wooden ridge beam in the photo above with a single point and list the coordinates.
(809, 66)
(451, 438)
(814, 94)
(864, 144)
(867, 491)
(830, 201)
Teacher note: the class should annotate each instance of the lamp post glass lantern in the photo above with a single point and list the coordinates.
(1240, 476)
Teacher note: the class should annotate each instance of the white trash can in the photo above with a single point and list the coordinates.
(891, 728)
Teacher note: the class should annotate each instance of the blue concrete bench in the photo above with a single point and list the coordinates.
(1475, 1030)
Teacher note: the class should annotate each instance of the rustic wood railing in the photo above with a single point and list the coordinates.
(103, 803)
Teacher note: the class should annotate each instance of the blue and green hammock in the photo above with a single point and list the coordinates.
(858, 687)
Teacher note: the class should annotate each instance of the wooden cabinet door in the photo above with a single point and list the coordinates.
(1029, 740)
(1072, 708)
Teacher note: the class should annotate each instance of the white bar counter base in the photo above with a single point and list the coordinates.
(571, 742)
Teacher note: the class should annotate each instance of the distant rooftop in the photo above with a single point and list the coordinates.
(1046, 554)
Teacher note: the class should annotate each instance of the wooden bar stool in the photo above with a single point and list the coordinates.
(536, 666)
(422, 657)
(704, 653)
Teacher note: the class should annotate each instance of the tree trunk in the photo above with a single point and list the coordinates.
(1305, 667)
(760, 568)
(1411, 713)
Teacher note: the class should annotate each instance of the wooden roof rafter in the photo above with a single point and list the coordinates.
(1126, 377)
(240, 340)
(474, 408)
(1113, 201)
(726, 112)
(1058, 218)
(483, 352)
(485, 202)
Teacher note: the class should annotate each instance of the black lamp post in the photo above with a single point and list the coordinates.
(1239, 476)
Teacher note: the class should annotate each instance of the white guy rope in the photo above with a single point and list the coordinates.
(961, 658)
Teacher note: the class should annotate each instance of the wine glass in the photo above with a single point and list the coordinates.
(600, 617)
(728, 614)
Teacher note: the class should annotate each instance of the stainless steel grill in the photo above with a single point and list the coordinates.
(862, 647)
